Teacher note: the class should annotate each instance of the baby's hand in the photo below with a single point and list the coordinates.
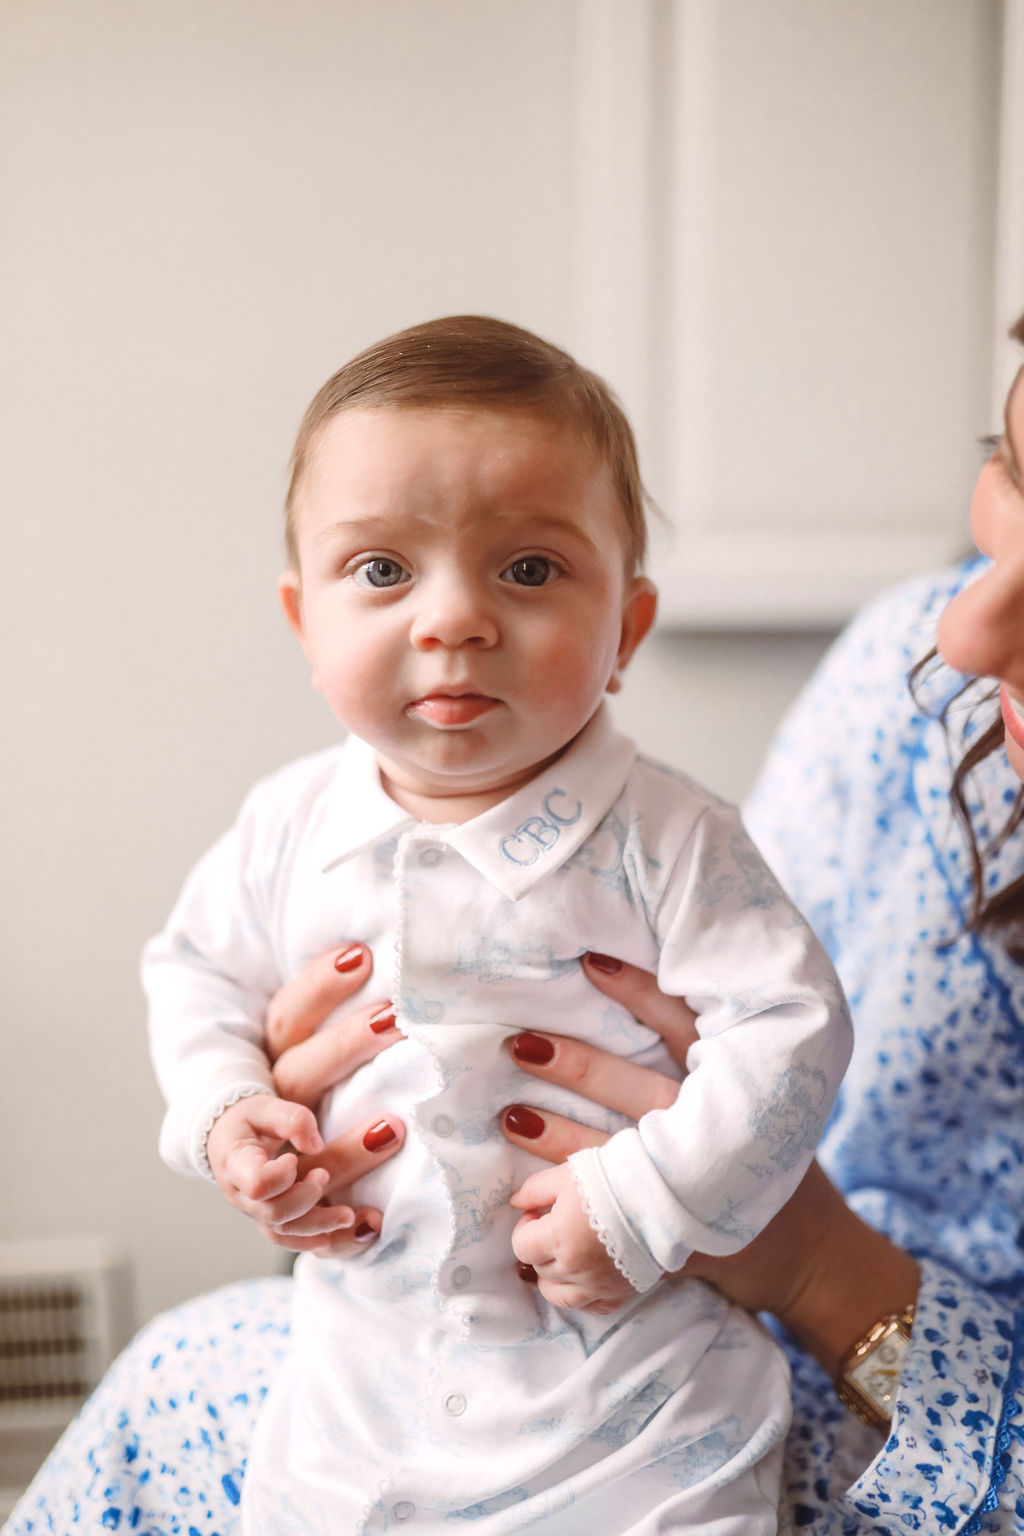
(253, 1173)
(574, 1269)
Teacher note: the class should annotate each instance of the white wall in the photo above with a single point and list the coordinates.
(208, 206)
(214, 204)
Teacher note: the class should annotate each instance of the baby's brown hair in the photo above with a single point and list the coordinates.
(472, 361)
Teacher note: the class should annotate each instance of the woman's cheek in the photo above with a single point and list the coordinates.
(984, 505)
(955, 636)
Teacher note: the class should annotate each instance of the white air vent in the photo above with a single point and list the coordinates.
(64, 1314)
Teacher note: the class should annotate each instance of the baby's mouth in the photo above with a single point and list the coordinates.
(449, 710)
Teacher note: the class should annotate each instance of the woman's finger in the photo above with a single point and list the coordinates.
(356, 1152)
(638, 992)
(303, 1003)
(304, 1072)
(550, 1136)
(594, 1074)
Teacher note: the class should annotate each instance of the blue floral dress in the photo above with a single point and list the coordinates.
(926, 1140)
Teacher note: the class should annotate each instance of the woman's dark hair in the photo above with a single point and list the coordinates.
(1002, 911)
(999, 912)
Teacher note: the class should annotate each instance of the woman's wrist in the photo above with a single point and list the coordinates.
(858, 1277)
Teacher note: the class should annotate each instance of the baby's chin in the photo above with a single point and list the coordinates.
(454, 792)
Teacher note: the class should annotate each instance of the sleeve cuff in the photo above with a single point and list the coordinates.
(631, 1256)
(185, 1128)
(946, 1455)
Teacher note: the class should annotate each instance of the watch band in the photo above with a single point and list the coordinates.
(869, 1377)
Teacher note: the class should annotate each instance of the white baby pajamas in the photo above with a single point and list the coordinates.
(429, 1386)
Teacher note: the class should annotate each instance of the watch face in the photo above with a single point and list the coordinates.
(878, 1375)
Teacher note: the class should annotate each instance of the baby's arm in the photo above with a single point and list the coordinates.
(210, 977)
(707, 1173)
(555, 1237)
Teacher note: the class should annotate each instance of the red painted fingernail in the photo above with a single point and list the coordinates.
(364, 1232)
(524, 1122)
(532, 1048)
(379, 1136)
(607, 964)
(382, 1020)
(350, 959)
(527, 1272)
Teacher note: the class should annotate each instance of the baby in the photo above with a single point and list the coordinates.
(465, 533)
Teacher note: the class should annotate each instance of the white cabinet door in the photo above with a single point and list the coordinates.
(786, 238)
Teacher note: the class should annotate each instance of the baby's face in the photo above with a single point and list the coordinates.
(462, 596)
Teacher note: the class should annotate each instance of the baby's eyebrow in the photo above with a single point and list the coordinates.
(527, 529)
(349, 527)
(556, 527)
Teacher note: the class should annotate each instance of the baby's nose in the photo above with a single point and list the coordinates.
(453, 614)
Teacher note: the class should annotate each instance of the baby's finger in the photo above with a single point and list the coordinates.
(319, 1222)
(305, 1071)
(594, 1074)
(639, 993)
(285, 1121)
(343, 1244)
(303, 1003)
(550, 1136)
(293, 1200)
(257, 1177)
(302, 1197)
(539, 1191)
(349, 1156)
(531, 1242)
(362, 1234)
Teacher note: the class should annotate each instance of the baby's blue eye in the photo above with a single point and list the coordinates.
(531, 571)
(380, 572)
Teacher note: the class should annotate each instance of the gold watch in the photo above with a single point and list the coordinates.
(869, 1377)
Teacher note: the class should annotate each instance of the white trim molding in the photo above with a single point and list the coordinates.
(1009, 252)
(785, 231)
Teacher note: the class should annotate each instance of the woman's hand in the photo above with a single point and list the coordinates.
(309, 1056)
(820, 1269)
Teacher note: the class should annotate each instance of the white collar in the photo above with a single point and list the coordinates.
(514, 844)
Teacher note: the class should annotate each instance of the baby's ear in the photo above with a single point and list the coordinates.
(289, 590)
(637, 617)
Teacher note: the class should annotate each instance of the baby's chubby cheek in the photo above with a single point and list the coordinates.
(580, 661)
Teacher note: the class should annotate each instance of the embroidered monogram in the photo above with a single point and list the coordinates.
(538, 833)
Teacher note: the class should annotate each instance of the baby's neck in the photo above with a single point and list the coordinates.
(451, 804)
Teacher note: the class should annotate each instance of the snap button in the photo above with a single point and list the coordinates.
(431, 856)
(461, 1276)
(403, 1510)
(455, 1404)
(443, 1125)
